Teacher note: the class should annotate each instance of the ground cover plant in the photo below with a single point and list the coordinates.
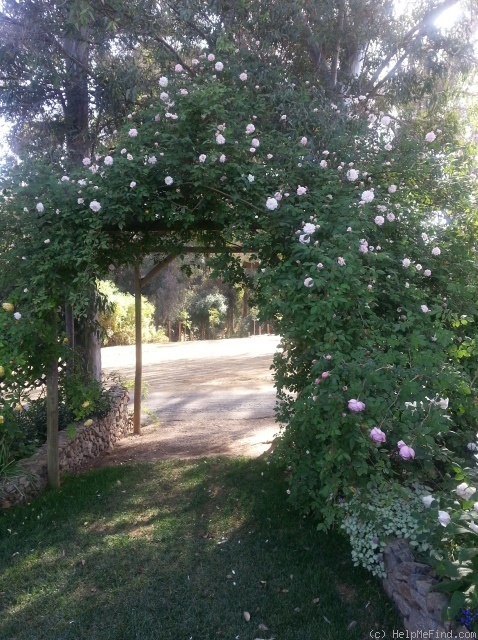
(179, 549)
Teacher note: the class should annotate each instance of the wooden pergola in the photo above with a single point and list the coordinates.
(140, 283)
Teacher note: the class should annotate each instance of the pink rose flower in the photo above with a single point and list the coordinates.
(377, 435)
(404, 451)
(356, 406)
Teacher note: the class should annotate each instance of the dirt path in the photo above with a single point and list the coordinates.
(204, 398)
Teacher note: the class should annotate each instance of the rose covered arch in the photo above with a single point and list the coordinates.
(338, 203)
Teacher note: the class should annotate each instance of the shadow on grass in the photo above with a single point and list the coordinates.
(180, 550)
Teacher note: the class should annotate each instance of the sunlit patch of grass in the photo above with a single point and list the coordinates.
(179, 550)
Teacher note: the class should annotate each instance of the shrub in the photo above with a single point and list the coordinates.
(24, 429)
(119, 324)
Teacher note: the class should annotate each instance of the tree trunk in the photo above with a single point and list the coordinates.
(88, 341)
(70, 334)
(245, 300)
(53, 465)
(76, 112)
(76, 97)
(139, 353)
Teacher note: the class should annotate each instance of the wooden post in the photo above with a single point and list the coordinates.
(53, 464)
(139, 354)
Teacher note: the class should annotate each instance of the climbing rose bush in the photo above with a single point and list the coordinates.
(365, 234)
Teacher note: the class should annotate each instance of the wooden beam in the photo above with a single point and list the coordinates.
(164, 263)
(158, 226)
(156, 269)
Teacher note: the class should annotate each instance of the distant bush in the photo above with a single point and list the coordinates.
(119, 324)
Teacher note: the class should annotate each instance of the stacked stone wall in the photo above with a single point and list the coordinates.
(408, 584)
(74, 453)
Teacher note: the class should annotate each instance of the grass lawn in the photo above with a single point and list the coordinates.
(180, 550)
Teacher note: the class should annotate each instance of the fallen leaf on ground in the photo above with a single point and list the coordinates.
(352, 625)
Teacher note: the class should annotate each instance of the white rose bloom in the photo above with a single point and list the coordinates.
(308, 228)
(443, 518)
(427, 500)
(443, 403)
(368, 196)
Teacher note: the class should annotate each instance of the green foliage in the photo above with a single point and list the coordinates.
(24, 426)
(454, 544)
(208, 311)
(84, 396)
(118, 323)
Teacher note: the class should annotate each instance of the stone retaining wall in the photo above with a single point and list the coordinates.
(87, 444)
(408, 584)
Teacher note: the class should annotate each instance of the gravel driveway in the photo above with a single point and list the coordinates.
(204, 398)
